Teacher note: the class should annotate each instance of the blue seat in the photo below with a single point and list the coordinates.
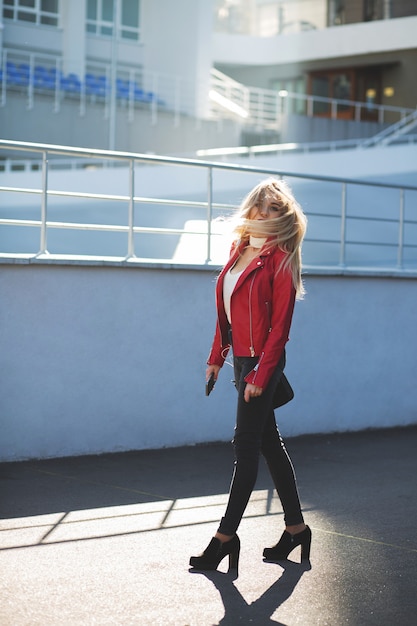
(24, 73)
(24, 69)
(102, 85)
(94, 86)
(40, 70)
(90, 84)
(44, 81)
(138, 94)
(122, 88)
(54, 72)
(10, 66)
(13, 76)
(54, 75)
(71, 84)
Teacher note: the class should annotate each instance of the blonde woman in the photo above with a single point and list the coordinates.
(255, 296)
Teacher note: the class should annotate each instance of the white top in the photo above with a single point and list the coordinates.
(229, 284)
(256, 242)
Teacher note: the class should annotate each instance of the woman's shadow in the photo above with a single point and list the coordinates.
(238, 611)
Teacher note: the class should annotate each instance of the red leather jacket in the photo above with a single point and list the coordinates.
(262, 306)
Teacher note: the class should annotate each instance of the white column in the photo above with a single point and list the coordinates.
(73, 19)
(177, 38)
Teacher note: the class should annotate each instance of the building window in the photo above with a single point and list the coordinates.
(45, 12)
(101, 14)
(292, 93)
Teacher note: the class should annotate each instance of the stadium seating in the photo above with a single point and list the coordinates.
(45, 78)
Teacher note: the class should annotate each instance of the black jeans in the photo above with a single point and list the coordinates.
(256, 432)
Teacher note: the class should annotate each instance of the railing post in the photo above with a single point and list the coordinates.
(82, 96)
(3, 79)
(380, 115)
(44, 204)
(57, 85)
(342, 259)
(309, 106)
(131, 233)
(177, 99)
(31, 81)
(131, 104)
(154, 101)
(400, 256)
(209, 211)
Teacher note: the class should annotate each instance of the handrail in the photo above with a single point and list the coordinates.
(341, 210)
(390, 134)
(265, 107)
(135, 87)
(304, 147)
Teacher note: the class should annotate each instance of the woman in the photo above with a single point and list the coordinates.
(255, 295)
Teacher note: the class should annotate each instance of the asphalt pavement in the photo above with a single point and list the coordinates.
(106, 539)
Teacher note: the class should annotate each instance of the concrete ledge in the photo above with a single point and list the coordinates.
(158, 264)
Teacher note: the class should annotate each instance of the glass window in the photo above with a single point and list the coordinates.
(22, 16)
(92, 10)
(100, 18)
(292, 93)
(130, 13)
(107, 11)
(35, 11)
(51, 6)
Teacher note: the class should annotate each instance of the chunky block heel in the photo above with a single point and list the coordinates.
(287, 543)
(215, 552)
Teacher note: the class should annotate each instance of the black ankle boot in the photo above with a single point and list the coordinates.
(215, 552)
(287, 543)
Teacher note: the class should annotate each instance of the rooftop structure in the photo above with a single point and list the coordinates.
(152, 75)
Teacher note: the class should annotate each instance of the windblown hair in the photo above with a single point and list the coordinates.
(286, 231)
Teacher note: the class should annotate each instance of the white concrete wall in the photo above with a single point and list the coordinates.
(101, 359)
(331, 43)
(177, 42)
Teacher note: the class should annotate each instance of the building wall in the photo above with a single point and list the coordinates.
(175, 42)
(397, 70)
(103, 359)
(186, 27)
(168, 134)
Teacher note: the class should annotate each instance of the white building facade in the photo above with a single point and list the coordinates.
(141, 74)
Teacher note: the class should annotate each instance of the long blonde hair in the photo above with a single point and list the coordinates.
(286, 231)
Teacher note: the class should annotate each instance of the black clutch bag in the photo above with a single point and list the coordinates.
(283, 392)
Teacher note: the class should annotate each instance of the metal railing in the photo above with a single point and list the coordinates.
(348, 219)
(296, 147)
(36, 75)
(265, 107)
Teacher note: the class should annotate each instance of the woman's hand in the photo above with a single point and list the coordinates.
(212, 369)
(252, 391)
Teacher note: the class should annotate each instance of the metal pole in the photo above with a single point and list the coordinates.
(154, 101)
(209, 211)
(131, 235)
(44, 203)
(342, 259)
(113, 76)
(31, 81)
(400, 256)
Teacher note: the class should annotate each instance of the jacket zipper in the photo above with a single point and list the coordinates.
(251, 347)
(268, 312)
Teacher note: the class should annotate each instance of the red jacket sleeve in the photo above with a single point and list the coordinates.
(283, 300)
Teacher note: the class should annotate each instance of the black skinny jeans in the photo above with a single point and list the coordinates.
(256, 432)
